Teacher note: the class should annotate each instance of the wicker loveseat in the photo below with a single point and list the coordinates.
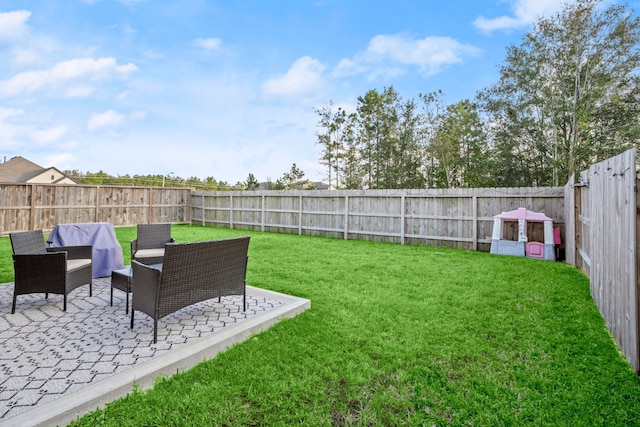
(190, 273)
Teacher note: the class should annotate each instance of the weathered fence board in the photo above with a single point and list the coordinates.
(460, 218)
(602, 240)
(40, 206)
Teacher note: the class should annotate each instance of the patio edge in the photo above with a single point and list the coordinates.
(95, 396)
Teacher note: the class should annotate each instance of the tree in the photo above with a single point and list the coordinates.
(351, 166)
(334, 125)
(459, 148)
(568, 96)
(429, 122)
(291, 179)
(251, 183)
(406, 172)
(378, 118)
(98, 178)
(375, 147)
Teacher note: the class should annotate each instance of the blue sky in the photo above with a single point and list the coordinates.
(227, 88)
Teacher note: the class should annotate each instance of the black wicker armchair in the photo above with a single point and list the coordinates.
(148, 247)
(191, 272)
(57, 270)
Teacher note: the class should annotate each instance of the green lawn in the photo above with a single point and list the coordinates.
(398, 335)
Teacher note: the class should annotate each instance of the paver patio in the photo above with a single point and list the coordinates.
(56, 365)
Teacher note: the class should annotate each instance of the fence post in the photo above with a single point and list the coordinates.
(149, 218)
(96, 203)
(262, 213)
(474, 210)
(346, 217)
(577, 210)
(231, 211)
(402, 218)
(299, 215)
(32, 203)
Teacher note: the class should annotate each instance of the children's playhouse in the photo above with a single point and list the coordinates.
(522, 246)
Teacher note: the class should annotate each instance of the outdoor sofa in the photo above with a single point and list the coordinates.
(190, 273)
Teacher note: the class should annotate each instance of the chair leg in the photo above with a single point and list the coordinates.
(131, 317)
(91, 288)
(13, 307)
(64, 303)
(111, 297)
(155, 331)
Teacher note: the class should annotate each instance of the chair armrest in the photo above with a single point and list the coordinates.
(49, 266)
(146, 282)
(146, 272)
(74, 252)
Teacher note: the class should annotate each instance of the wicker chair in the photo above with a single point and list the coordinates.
(191, 272)
(57, 270)
(148, 247)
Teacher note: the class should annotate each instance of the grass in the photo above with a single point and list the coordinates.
(398, 335)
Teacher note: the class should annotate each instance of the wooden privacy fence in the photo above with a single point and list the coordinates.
(602, 240)
(598, 219)
(39, 206)
(460, 218)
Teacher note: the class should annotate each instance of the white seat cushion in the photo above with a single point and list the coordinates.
(74, 264)
(149, 253)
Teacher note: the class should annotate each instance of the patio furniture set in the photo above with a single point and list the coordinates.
(163, 278)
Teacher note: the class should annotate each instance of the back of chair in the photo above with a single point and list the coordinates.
(152, 236)
(28, 242)
(198, 271)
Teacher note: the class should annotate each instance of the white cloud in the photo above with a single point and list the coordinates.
(65, 73)
(112, 122)
(79, 92)
(303, 77)
(209, 44)
(13, 24)
(62, 161)
(48, 136)
(25, 56)
(391, 55)
(8, 129)
(525, 13)
(109, 121)
(5, 113)
(21, 130)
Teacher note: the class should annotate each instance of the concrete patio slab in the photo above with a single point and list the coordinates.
(57, 366)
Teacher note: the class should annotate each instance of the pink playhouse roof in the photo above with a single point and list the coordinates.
(522, 213)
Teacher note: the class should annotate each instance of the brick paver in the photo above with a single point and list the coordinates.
(45, 352)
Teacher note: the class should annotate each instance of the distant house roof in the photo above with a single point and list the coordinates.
(319, 185)
(19, 170)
